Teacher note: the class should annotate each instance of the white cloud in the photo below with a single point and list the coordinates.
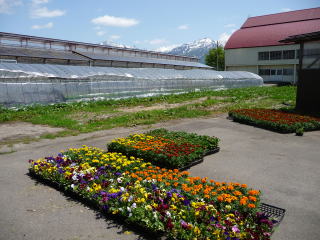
(48, 25)
(183, 27)
(38, 2)
(230, 25)
(166, 48)
(44, 12)
(223, 38)
(114, 37)
(115, 21)
(286, 9)
(6, 6)
(101, 33)
(157, 41)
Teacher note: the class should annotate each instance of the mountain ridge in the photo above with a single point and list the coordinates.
(198, 48)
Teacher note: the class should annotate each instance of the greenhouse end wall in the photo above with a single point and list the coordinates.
(24, 84)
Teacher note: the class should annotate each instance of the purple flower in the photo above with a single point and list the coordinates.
(186, 202)
(105, 207)
(235, 229)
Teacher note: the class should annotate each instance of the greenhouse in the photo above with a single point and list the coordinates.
(22, 84)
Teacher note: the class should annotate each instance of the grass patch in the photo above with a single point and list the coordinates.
(91, 116)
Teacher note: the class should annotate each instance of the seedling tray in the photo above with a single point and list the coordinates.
(273, 212)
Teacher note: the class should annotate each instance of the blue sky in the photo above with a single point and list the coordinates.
(145, 24)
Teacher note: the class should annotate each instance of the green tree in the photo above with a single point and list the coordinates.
(211, 58)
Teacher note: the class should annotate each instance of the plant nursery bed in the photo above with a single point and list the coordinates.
(157, 199)
(165, 148)
(276, 120)
(138, 228)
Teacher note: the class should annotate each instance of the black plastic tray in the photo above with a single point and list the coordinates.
(273, 212)
(199, 160)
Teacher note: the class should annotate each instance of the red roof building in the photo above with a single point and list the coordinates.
(255, 47)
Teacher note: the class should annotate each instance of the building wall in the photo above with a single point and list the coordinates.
(246, 59)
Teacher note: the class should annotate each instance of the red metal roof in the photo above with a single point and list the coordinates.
(268, 30)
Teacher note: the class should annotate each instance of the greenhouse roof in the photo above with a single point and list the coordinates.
(11, 70)
(48, 54)
(95, 56)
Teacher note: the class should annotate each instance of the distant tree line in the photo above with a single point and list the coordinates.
(215, 58)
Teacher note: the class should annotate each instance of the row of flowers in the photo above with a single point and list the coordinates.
(276, 120)
(166, 148)
(158, 199)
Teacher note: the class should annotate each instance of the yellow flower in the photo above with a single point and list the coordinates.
(196, 230)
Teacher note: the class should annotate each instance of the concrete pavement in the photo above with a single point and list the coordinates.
(283, 166)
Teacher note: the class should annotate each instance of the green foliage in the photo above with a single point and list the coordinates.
(216, 55)
(299, 131)
(73, 117)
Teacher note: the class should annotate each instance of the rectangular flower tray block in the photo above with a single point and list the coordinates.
(167, 149)
(275, 120)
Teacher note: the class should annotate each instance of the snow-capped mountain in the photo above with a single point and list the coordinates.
(113, 44)
(198, 48)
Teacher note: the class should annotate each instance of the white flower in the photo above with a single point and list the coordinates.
(122, 189)
(134, 205)
(168, 214)
(72, 186)
(129, 209)
(119, 180)
(130, 198)
(74, 177)
(155, 215)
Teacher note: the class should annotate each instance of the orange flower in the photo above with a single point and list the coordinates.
(253, 199)
(237, 193)
(254, 192)
(251, 205)
(243, 201)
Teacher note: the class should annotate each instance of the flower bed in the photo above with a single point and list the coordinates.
(166, 148)
(275, 120)
(160, 200)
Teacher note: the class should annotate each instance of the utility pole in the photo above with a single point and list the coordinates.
(217, 45)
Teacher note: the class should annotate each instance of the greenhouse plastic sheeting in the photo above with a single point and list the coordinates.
(22, 84)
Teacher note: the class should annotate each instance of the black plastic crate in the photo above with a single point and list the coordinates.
(273, 212)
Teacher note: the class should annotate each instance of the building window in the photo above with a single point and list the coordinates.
(264, 72)
(275, 55)
(263, 55)
(288, 71)
(288, 54)
(279, 71)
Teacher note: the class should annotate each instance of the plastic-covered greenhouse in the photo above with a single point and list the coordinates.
(44, 83)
